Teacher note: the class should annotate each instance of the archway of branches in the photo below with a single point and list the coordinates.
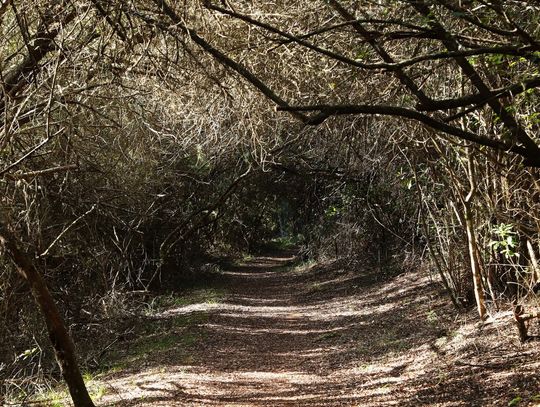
(138, 137)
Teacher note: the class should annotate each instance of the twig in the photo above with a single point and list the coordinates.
(46, 171)
(66, 229)
(32, 151)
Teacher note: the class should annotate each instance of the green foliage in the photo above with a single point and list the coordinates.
(495, 59)
(515, 401)
(209, 295)
(286, 242)
(533, 119)
(158, 149)
(432, 317)
(405, 177)
(506, 240)
(170, 336)
(59, 396)
(191, 319)
(519, 400)
(332, 211)
(154, 343)
(362, 54)
(28, 353)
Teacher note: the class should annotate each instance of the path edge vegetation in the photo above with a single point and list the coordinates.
(486, 128)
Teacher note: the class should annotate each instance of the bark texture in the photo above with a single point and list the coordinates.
(58, 333)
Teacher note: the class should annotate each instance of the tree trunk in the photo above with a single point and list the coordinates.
(471, 239)
(475, 265)
(534, 265)
(58, 333)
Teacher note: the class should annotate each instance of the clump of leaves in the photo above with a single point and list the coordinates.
(506, 240)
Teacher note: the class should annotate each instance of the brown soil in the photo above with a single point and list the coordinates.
(324, 336)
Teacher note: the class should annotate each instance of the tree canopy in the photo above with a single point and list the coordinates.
(139, 136)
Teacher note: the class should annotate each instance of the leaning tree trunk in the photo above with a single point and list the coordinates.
(58, 333)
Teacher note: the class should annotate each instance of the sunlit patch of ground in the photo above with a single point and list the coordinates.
(326, 337)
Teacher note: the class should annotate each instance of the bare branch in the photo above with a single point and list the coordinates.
(329, 110)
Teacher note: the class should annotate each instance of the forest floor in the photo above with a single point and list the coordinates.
(276, 334)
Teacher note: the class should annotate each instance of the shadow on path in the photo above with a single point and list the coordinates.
(323, 336)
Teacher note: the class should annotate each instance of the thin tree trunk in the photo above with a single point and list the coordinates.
(534, 264)
(471, 238)
(475, 266)
(58, 333)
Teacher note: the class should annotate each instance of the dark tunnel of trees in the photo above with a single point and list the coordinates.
(139, 139)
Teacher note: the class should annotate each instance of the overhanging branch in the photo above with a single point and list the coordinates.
(326, 111)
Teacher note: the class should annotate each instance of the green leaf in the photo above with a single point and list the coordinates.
(515, 401)
(27, 353)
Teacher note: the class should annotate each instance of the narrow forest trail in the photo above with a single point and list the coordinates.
(320, 336)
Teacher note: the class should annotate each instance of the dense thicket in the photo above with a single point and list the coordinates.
(139, 136)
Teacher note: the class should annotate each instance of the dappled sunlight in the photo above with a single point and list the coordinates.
(252, 387)
(189, 309)
(259, 275)
(328, 311)
(270, 203)
(274, 331)
(279, 339)
(285, 299)
(376, 382)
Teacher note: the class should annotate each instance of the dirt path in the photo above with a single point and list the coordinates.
(321, 336)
